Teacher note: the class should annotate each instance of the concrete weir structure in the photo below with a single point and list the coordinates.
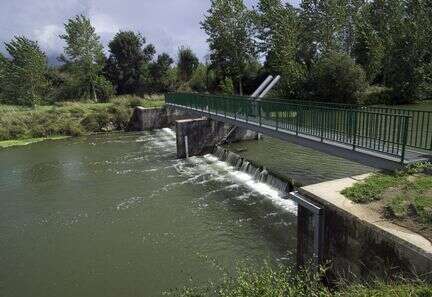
(195, 135)
(355, 240)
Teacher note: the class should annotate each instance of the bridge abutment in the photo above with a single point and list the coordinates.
(199, 136)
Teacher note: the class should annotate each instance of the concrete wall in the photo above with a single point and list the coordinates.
(155, 118)
(203, 134)
(359, 243)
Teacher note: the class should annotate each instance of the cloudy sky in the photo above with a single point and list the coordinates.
(165, 23)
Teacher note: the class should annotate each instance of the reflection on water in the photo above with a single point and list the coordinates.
(118, 215)
(303, 165)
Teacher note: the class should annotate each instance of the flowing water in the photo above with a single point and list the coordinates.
(118, 215)
(303, 165)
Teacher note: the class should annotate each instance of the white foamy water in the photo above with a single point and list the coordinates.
(210, 165)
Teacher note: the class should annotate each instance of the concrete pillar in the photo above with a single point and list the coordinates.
(197, 132)
(203, 134)
(305, 236)
(147, 119)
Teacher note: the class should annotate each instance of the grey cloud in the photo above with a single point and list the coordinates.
(165, 23)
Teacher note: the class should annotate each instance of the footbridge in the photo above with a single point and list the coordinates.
(385, 138)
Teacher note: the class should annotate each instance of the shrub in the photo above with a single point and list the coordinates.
(337, 78)
(375, 95)
(120, 116)
(96, 121)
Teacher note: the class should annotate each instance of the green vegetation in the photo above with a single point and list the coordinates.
(69, 118)
(349, 51)
(404, 196)
(21, 142)
(282, 281)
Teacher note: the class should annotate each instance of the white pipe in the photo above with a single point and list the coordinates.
(187, 147)
(262, 86)
(270, 86)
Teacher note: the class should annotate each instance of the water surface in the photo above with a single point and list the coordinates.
(118, 215)
(304, 165)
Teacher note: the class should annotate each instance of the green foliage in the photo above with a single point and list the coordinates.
(336, 77)
(229, 28)
(127, 56)
(22, 78)
(198, 81)
(187, 63)
(69, 118)
(84, 58)
(278, 27)
(162, 78)
(281, 281)
(227, 87)
(372, 188)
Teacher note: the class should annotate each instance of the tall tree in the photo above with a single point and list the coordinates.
(160, 73)
(228, 25)
(278, 32)
(23, 76)
(84, 54)
(187, 63)
(127, 56)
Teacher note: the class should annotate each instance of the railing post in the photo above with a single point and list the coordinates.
(354, 129)
(259, 113)
(277, 120)
(404, 139)
(297, 120)
(322, 125)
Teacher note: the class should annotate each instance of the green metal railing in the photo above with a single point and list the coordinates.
(358, 128)
(419, 127)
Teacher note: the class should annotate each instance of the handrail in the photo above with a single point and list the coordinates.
(419, 135)
(385, 133)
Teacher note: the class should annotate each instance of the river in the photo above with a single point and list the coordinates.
(119, 215)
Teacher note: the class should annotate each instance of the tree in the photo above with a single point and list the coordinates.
(198, 81)
(161, 78)
(83, 52)
(127, 56)
(187, 63)
(229, 29)
(22, 78)
(278, 28)
(337, 78)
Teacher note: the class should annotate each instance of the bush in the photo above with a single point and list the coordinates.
(376, 95)
(337, 78)
(96, 121)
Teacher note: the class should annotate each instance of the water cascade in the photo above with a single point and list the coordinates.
(260, 174)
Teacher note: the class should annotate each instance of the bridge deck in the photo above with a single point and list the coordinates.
(371, 157)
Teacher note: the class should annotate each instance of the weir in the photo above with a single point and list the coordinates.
(326, 231)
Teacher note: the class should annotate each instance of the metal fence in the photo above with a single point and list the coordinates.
(383, 132)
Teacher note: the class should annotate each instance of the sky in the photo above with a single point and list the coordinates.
(167, 24)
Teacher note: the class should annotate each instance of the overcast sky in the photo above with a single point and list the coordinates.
(165, 23)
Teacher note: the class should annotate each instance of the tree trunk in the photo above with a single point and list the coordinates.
(94, 93)
(240, 86)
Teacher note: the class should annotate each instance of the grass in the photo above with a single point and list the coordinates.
(286, 282)
(405, 196)
(67, 118)
(21, 142)
(372, 188)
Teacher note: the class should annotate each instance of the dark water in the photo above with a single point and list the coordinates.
(303, 165)
(118, 215)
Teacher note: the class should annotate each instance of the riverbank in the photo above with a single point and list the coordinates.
(404, 198)
(20, 125)
(21, 142)
(286, 281)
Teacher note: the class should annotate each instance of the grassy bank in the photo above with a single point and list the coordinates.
(403, 197)
(25, 125)
(283, 281)
(21, 142)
